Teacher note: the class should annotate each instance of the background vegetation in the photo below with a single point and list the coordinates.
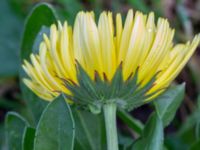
(184, 16)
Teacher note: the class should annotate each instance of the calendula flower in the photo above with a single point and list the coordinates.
(96, 63)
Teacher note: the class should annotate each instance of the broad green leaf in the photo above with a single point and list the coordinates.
(152, 137)
(55, 130)
(15, 125)
(35, 104)
(90, 130)
(41, 16)
(168, 103)
(28, 138)
(33, 101)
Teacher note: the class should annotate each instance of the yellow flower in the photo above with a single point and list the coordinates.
(138, 44)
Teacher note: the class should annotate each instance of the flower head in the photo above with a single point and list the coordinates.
(94, 63)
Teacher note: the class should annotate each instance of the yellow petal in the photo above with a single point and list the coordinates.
(105, 28)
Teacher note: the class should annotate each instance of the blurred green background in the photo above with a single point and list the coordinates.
(184, 16)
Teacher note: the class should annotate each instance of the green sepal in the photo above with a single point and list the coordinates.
(94, 93)
(140, 94)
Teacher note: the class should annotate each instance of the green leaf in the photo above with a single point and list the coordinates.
(28, 138)
(152, 137)
(15, 125)
(41, 16)
(168, 103)
(35, 104)
(33, 101)
(90, 130)
(55, 129)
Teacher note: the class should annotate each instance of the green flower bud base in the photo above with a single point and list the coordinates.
(93, 94)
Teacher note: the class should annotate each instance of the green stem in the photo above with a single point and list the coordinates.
(111, 127)
(131, 122)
